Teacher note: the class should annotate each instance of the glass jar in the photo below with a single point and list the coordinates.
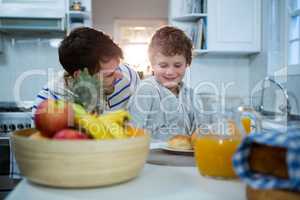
(217, 141)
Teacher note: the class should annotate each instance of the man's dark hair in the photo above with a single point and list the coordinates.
(84, 47)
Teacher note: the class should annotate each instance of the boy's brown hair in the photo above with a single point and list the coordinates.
(170, 41)
(84, 47)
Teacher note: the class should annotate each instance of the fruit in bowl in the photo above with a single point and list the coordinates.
(37, 136)
(78, 113)
(70, 134)
(73, 146)
(79, 163)
(98, 150)
(59, 119)
(52, 116)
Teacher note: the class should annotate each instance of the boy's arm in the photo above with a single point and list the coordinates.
(196, 111)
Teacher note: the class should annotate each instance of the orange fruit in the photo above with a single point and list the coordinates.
(37, 136)
(134, 132)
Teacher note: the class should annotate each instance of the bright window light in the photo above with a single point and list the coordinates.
(136, 55)
(134, 36)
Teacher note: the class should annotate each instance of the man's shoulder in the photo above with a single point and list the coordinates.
(129, 75)
(126, 68)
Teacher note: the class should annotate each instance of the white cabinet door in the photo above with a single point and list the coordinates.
(234, 25)
(32, 8)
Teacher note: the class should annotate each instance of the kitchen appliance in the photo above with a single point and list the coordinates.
(13, 116)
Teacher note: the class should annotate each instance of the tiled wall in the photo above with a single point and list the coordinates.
(27, 54)
(215, 73)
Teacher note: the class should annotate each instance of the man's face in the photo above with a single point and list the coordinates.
(110, 73)
(169, 70)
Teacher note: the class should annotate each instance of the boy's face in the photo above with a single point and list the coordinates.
(110, 73)
(169, 70)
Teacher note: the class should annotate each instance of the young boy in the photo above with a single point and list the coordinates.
(162, 103)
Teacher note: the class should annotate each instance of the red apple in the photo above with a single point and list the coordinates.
(52, 116)
(69, 134)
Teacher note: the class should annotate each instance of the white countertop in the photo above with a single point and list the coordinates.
(155, 182)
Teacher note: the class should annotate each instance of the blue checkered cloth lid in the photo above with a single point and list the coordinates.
(290, 141)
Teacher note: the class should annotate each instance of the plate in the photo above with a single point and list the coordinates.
(177, 151)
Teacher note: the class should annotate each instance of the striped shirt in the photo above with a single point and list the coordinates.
(124, 88)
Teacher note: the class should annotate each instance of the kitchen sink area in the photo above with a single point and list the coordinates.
(283, 114)
(279, 124)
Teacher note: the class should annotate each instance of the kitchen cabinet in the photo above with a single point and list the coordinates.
(50, 15)
(32, 15)
(228, 26)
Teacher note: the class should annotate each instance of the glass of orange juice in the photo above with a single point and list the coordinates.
(214, 154)
(217, 141)
(214, 147)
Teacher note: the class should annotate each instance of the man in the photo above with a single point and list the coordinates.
(92, 49)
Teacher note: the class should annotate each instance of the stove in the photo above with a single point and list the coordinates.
(13, 116)
(12, 121)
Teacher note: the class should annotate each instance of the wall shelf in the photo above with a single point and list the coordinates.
(79, 14)
(189, 17)
(197, 52)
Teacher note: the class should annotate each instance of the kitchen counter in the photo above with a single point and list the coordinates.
(155, 182)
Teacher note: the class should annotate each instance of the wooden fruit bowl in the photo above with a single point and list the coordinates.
(80, 163)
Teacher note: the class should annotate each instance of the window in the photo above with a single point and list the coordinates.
(293, 45)
(134, 36)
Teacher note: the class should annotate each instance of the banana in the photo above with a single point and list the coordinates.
(114, 129)
(93, 126)
(105, 126)
(119, 116)
(114, 122)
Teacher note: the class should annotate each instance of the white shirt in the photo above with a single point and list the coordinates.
(157, 109)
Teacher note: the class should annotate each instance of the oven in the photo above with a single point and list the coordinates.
(12, 117)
